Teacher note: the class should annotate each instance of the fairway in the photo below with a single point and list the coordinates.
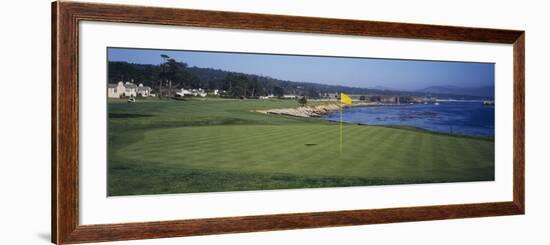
(167, 146)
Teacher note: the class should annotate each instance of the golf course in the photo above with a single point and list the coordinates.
(160, 146)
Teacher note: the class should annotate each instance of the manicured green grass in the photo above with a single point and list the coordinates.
(223, 145)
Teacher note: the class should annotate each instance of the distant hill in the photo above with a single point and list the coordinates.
(378, 87)
(484, 91)
(289, 87)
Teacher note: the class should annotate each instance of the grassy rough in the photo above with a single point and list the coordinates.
(216, 145)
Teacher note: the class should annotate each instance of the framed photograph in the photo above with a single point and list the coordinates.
(176, 122)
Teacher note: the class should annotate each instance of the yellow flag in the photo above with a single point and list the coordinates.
(345, 99)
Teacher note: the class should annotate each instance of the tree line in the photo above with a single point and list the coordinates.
(171, 75)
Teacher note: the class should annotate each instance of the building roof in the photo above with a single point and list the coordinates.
(145, 88)
(111, 85)
(130, 85)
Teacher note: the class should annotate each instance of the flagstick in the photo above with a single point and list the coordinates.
(341, 138)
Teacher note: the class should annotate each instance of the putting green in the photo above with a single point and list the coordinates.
(222, 145)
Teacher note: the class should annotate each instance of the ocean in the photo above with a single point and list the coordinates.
(456, 117)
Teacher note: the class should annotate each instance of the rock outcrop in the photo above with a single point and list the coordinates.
(309, 111)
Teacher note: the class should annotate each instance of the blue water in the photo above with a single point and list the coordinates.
(468, 118)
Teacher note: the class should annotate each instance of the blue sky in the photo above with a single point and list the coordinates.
(357, 72)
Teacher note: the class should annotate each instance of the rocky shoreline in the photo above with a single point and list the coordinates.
(313, 111)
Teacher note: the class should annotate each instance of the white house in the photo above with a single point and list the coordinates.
(192, 92)
(127, 89)
(290, 96)
(143, 91)
(130, 90)
(183, 93)
(218, 92)
(115, 90)
(201, 92)
(270, 96)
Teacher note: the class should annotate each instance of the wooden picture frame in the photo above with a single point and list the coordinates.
(65, 121)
